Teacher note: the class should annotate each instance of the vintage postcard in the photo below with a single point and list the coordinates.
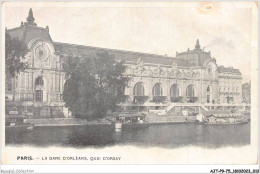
(129, 83)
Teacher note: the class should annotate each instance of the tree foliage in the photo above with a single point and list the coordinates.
(15, 50)
(95, 84)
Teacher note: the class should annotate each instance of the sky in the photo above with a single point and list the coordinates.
(225, 29)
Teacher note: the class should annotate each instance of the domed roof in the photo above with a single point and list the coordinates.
(197, 55)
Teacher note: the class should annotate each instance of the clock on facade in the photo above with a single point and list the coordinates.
(41, 51)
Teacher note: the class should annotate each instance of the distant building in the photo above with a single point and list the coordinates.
(246, 92)
(192, 76)
(230, 82)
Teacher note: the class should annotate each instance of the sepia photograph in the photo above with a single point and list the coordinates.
(132, 83)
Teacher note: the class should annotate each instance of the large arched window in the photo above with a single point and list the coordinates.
(39, 81)
(139, 89)
(175, 91)
(190, 92)
(157, 90)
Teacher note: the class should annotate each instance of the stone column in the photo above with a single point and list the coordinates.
(150, 90)
(167, 92)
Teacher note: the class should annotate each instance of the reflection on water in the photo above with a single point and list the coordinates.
(164, 135)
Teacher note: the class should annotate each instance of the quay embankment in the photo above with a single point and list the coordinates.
(78, 122)
(169, 119)
(64, 122)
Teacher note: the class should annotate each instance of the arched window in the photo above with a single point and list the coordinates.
(157, 90)
(175, 92)
(39, 81)
(139, 89)
(208, 89)
(209, 70)
(9, 87)
(190, 92)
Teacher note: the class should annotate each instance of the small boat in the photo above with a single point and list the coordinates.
(129, 120)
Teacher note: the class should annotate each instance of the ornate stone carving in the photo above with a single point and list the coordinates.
(43, 55)
(169, 73)
(158, 70)
(188, 74)
(178, 73)
(194, 74)
(174, 65)
(139, 62)
(139, 68)
(145, 72)
(29, 58)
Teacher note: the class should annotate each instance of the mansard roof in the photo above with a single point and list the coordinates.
(127, 56)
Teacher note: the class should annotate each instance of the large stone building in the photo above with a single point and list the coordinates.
(192, 76)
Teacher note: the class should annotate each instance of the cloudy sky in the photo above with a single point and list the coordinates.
(159, 28)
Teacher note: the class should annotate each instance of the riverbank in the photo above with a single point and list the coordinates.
(170, 119)
(78, 122)
(64, 122)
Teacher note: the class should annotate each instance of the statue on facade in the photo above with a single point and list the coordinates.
(174, 65)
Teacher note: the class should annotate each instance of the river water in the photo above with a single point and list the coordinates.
(163, 135)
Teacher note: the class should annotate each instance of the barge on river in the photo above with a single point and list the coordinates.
(222, 117)
(129, 120)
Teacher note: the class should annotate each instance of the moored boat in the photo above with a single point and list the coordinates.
(212, 119)
(129, 120)
(221, 117)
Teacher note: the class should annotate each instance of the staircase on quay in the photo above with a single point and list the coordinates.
(172, 105)
(170, 108)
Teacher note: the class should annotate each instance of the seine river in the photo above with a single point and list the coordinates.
(163, 135)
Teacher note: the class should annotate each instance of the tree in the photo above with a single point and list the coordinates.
(15, 50)
(95, 84)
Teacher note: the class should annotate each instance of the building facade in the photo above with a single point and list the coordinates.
(37, 90)
(246, 93)
(192, 76)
